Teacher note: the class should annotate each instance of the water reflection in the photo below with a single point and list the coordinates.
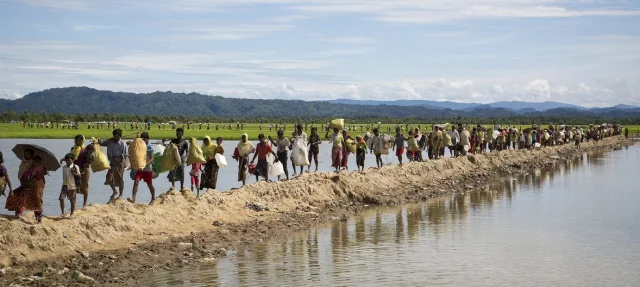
(516, 231)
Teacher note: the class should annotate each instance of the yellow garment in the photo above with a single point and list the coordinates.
(195, 153)
(447, 140)
(209, 150)
(76, 149)
(412, 144)
(245, 148)
(24, 166)
(337, 139)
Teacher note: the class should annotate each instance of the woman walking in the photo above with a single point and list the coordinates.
(344, 163)
(29, 195)
(336, 152)
(210, 175)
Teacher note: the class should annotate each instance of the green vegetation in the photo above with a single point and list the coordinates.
(17, 131)
(81, 104)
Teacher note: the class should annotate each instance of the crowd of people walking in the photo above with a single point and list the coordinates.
(301, 150)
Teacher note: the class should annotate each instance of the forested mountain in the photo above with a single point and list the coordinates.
(517, 106)
(91, 104)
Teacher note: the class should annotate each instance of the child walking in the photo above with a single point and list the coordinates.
(196, 168)
(361, 151)
(399, 145)
(70, 182)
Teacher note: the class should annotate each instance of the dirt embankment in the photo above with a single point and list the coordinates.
(115, 244)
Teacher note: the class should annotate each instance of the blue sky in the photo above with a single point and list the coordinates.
(581, 52)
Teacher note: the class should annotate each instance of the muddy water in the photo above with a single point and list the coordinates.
(100, 193)
(575, 224)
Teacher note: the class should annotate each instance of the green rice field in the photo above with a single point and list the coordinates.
(15, 130)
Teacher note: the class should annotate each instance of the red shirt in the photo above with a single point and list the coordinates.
(263, 150)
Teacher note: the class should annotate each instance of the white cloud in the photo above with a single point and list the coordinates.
(404, 11)
(225, 33)
(347, 40)
(89, 28)
(10, 95)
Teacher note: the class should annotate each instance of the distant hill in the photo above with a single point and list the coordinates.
(517, 106)
(88, 101)
(543, 106)
(85, 100)
(423, 103)
(625, 107)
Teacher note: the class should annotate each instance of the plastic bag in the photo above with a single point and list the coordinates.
(138, 154)
(157, 163)
(101, 161)
(170, 158)
(299, 154)
(276, 169)
(195, 153)
(337, 124)
(382, 144)
(158, 149)
(221, 160)
(351, 145)
(386, 141)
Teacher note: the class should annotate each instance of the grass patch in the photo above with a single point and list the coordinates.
(17, 131)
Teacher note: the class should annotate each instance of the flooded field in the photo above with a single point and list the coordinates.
(575, 224)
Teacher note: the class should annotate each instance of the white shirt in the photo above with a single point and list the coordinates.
(68, 177)
(464, 137)
(455, 137)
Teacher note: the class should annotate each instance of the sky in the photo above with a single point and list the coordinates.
(584, 52)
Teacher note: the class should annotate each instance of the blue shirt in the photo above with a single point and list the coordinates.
(116, 150)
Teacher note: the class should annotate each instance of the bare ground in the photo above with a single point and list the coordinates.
(120, 243)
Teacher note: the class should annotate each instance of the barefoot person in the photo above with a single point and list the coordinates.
(210, 174)
(337, 141)
(177, 174)
(375, 147)
(244, 148)
(145, 174)
(298, 140)
(361, 151)
(28, 196)
(262, 150)
(83, 161)
(70, 183)
(344, 163)
(400, 139)
(83, 157)
(117, 154)
(314, 148)
(282, 144)
(4, 178)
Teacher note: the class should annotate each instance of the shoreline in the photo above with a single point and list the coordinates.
(118, 243)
